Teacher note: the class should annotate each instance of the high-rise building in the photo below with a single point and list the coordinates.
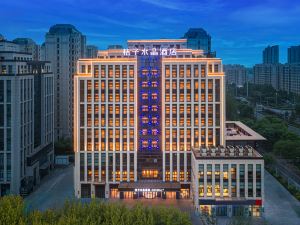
(291, 78)
(29, 46)
(26, 119)
(236, 74)
(271, 55)
(294, 54)
(64, 45)
(268, 74)
(141, 116)
(198, 38)
(91, 51)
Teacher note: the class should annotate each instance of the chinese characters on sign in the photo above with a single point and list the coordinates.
(153, 51)
(148, 189)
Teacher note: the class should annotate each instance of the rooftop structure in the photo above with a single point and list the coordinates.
(236, 130)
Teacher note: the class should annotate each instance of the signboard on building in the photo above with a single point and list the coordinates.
(153, 51)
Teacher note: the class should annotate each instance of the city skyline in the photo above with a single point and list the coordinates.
(231, 25)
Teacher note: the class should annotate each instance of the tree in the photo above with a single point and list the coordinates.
(94, 213)
(287, 149)
(297, 109)
(246, 111)
(269, 159)
(12, 210)
(63, 146)
(231, 108)
(272, 128)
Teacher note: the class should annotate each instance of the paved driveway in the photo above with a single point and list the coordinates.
(281, 208)
(53, 191)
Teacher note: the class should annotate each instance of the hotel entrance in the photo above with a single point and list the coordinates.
(149, 194)
(171, 195)
(149, 190)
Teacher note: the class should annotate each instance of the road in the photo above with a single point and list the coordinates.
(295, 130)
(281, 208)
(53, 191)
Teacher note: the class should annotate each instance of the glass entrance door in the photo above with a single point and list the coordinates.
(150, 194)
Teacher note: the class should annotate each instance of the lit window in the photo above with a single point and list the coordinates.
(154, 84)
(154, 96)
(144, 144)
(155, 108)
(144, 84)
(144, 96)
(154, 131)
(154, 120)
(154, 144)
(145, 120)
(145, 108)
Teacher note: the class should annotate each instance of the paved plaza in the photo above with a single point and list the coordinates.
(280, 207)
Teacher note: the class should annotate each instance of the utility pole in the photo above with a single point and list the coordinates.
(247, 88)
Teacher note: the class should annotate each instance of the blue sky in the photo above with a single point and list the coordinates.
(239, 29)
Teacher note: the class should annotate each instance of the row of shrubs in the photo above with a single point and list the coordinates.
(12, 212)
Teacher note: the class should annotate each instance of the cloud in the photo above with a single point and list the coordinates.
(38, 30)
(184, 5)
(141, 25)
(266, 15)
(102, 35)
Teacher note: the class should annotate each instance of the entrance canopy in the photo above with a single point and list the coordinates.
(149, 186)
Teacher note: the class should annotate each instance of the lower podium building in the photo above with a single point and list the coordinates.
(139, 113)
(227, 181)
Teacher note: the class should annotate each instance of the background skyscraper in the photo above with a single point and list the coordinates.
(29, 46)
(91, 51)
(271, 54)
(64, 45)
(294, 54)
(198, 38)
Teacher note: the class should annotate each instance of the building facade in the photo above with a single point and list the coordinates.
(236, 74)
(26, 120)
(228, 181)
(139, 113)
(271, 55)
(294, 54)
(269, 74)
(291, 78)
(198, 38)
(64, 45)
(91, 51)
(29, 46)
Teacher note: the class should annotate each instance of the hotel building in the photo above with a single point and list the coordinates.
(138, 115)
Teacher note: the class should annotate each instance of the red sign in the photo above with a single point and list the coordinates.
(258, 202)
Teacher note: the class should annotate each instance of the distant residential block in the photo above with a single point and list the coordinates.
(64, 45)
(91, 51)
(29, 46)
(271, 54)
(269, 74)
(236, 74)
(294, 54)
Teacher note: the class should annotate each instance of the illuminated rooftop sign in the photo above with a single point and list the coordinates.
(153, 51)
